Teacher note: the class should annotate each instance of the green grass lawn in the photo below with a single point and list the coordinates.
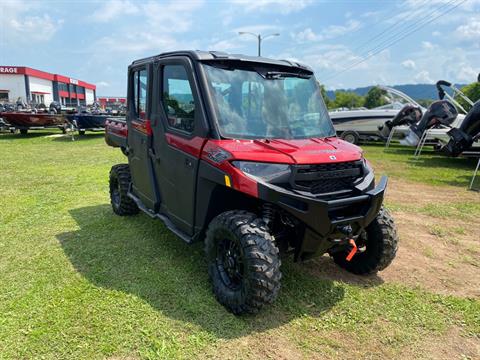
(79, 282)
(430, 168)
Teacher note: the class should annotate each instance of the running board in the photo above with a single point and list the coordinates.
(168, 223)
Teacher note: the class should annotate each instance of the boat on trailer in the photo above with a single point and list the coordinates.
(354, 125)
(25, 121)
(91, 119)
(87, 121)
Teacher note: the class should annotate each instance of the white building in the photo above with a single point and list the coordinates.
(39, 87)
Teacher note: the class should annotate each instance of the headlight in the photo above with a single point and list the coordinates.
(267, 171)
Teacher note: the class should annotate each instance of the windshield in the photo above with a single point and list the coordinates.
(395, 99)
(276, 104)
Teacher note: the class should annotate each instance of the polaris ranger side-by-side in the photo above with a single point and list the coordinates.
(240, 152)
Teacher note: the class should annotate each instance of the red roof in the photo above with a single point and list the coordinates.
(13, 70)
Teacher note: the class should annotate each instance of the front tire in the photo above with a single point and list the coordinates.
(23, 131)
(120, 180)
(380, 247)
(243, 262)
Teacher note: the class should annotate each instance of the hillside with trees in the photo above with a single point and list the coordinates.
(373, 96)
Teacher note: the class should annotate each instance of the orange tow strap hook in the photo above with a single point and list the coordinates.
(353, 251)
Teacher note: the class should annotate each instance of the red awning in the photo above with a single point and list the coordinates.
(39, 92)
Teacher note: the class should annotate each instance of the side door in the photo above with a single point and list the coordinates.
(179, 136)
(140, 136)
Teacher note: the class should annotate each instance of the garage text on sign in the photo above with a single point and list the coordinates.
(8, 70)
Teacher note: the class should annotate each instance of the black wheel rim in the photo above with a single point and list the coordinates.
(229, 263)
(115, 193)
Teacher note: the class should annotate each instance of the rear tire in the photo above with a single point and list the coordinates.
(243, 262)
(24, 131)
(81, 132)
(381, 246)
(350, 136)
(120, 180)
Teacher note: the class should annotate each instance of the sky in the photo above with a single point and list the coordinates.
(348, 43)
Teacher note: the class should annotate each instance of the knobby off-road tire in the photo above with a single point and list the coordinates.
(120, 179)
(380, 248)
(240, 238)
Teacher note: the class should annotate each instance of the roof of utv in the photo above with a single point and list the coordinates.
(222, 56)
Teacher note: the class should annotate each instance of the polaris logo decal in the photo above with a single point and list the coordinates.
(333, 157)
(323, 151)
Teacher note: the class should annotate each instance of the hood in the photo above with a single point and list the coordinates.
(295, 151)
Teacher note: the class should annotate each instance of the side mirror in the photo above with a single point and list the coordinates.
(478, 78)
(171, 111)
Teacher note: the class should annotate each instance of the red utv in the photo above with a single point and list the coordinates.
(239, 152)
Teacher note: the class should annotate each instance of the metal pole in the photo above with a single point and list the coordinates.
(474, 174)
(259, 44)
(259, 37)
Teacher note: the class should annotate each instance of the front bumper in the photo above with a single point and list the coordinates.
(324, 218)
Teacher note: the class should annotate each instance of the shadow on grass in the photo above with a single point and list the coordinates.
(438, 163)
(445, 162)
(449, 164)
(324, 268)
(89, 136)
(30, 135)
(139, 256)
(398, 150)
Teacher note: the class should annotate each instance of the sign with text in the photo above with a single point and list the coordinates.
(8, 70)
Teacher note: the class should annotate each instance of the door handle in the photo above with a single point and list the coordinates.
(188, 162)
(153, 155)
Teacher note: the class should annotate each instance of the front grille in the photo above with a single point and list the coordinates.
(327, 178)
(326, 186)
(305, 169)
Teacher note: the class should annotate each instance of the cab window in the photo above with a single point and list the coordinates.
(178, 101)
(140, 87)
